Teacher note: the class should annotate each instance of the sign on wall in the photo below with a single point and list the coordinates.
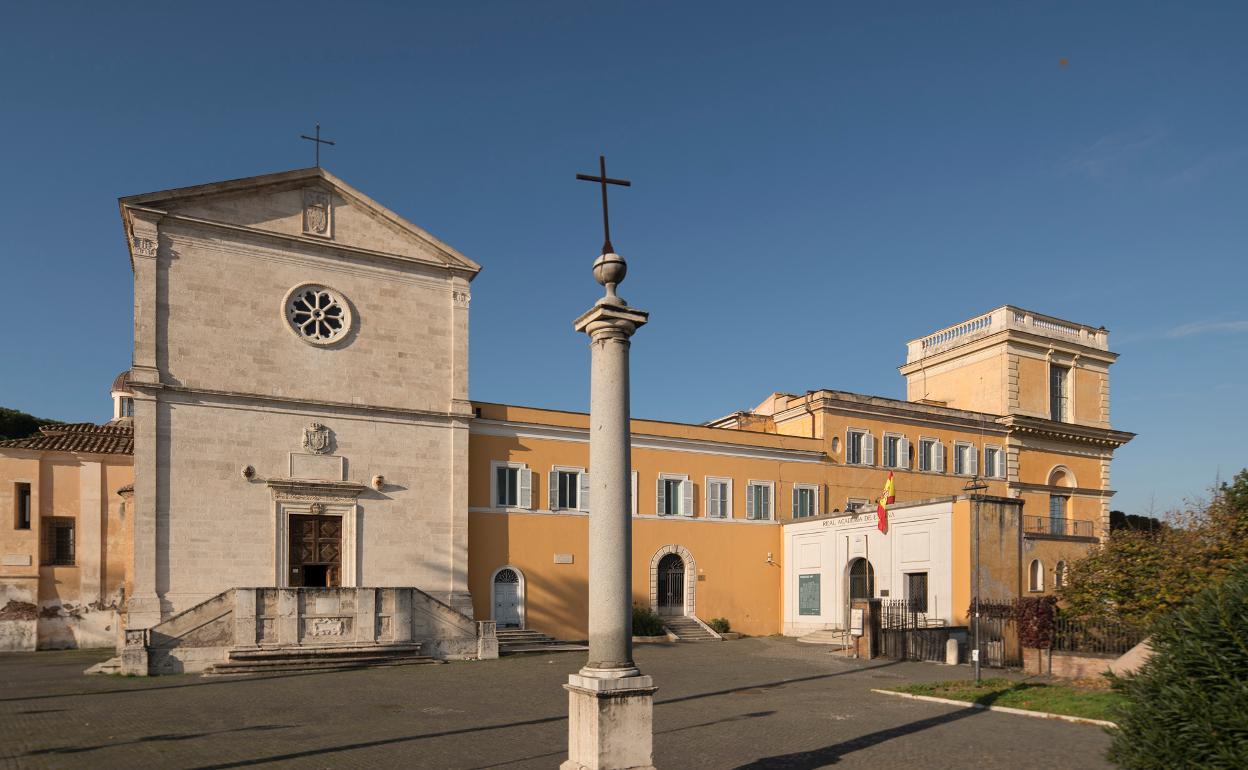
(808, 595)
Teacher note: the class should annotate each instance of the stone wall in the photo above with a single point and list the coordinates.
(1066, 665)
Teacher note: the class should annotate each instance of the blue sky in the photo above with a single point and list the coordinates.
(814, 184)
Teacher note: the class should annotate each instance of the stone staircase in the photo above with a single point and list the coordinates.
(317, 658)
(513, 640)
(689, 629)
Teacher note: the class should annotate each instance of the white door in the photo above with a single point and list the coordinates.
(507, 599)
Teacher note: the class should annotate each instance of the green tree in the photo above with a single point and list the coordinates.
(1136, 576)
(1187, 706)
(15, 424)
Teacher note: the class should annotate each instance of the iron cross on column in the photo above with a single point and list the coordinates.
(319, 141)
(605, 180)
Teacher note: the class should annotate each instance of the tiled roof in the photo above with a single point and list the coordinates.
(79, 437)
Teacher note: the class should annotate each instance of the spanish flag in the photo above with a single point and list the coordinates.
(888, 498)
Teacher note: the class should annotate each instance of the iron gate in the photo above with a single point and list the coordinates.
(906, 633)
(999, 645)
(671, 584)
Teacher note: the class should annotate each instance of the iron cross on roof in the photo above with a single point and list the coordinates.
(604, 180)
(319, 141)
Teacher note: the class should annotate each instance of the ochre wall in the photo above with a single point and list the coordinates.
(735, 580)
(977, 384)
(1087, 393)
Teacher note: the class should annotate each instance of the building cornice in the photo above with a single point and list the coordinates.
(511, 429)
(875, 406)
(1067, 432)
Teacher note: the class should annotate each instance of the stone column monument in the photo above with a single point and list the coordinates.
(610, 702)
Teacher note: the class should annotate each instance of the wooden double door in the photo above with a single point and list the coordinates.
(315, 551)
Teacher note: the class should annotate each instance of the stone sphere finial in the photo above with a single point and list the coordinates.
(609, 270)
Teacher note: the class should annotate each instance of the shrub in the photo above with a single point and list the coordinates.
(720, 625)
(646, 622)
(1035, 615)
(1188, 705)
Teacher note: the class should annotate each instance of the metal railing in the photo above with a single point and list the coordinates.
(1057, 526)
(1101, 636)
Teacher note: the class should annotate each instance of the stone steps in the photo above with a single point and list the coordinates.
(688, 630)
(513, 640)
(110, 666)
(322, 658)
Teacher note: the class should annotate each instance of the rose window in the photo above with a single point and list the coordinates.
(317, 314)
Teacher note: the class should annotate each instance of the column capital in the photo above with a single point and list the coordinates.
(610, 321)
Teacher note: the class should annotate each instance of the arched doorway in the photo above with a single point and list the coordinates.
(671, 585)
(507, 589)
(861, 579)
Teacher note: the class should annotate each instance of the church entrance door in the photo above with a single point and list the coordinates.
(315, 551)
(671, 585)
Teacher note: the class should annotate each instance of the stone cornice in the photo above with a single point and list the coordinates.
(305, 489)
(1064, 431)
(1056, 490)
(303, 404)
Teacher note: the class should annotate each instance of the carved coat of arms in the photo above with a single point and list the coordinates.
(316, 439)
(316, 212)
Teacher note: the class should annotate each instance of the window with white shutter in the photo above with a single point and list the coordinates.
(583, 502)
(940, 457)
(758, 496)
(674, 495)
(904, 458)
(526, 488)
(868, 449)
(718, 492)
(805, 500)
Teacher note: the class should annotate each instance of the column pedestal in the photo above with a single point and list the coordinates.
(610, 723)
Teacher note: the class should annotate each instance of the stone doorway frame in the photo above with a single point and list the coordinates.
(311, 498)
(520, 592)
(691, 578)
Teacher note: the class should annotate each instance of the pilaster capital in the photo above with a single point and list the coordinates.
(144, 232)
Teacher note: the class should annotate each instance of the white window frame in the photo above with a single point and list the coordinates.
(1035, 577)
(706, 494)
(972, 453)
(903, 451)
(582, 488)
(997, 470)
(816, 510)
(918, 454)
(523, 468)
(751, 514)
(634, 491)
(867, 452)
(686, 495)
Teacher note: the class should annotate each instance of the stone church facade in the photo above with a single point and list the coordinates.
(308, 469)
(300, 374)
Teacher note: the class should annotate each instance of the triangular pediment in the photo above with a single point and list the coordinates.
(308, 204)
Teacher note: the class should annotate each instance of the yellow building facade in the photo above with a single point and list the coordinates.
(1012, 404)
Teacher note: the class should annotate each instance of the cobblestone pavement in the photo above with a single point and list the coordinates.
(763, 704)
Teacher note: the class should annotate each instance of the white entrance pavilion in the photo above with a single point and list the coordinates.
(829, 558)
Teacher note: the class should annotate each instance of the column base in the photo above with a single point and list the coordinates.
(610, 723)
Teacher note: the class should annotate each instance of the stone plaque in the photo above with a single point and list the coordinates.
(16, 560)
(326, 605)
(855, 621)
(563, 558)
(319, 467)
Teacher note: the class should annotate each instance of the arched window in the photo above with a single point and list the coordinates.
(1036, 581)
(861, 579)
(1059, 575)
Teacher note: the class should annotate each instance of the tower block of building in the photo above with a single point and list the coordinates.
(1047, 380)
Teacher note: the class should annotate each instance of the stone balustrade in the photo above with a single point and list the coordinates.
(1004, 318)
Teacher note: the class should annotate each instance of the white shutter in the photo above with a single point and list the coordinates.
(974, 455)
(583, 496)
(554, 490)
(526, 488)
(903, 450)
(749, 501)
(711, 492)
(686, 502)
(632, 497)
(868, 449)
(660, 505)
(818, 491)
(794, 515)
(766, 512)
(938, 454)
